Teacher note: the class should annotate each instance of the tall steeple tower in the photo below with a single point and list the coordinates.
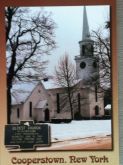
(86, 63)
(87, 71)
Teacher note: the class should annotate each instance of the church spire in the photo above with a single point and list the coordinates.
(86, 44)
(85, 33)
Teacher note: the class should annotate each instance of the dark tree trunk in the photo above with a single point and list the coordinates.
(10, 76)
(9, 18)
(8, 105)
(71, 108)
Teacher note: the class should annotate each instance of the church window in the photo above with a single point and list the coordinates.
(92, 49)
(87, 49)
(96, 96)
(82, 65)
(83, 49)
(18, 113)
(30, 109)
(95, 64)
(58, 103)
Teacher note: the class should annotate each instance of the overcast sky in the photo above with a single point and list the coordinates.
(68, 33)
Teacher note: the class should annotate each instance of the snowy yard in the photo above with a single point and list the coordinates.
(80, 129)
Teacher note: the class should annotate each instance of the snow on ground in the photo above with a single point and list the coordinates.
(80, 129)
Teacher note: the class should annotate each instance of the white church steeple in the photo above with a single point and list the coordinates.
(86, 63)
(85, 33)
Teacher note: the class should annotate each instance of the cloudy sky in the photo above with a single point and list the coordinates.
(68, 33)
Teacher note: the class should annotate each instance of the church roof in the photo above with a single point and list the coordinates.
(22, 90)
(50, 84)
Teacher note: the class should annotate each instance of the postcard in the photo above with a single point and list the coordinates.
(59, 68)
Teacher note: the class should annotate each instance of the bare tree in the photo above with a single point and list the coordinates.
(102, 51)
(29, 36)
(65, 76)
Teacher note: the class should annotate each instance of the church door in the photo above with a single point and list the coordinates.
(96, 110)
(47, 115)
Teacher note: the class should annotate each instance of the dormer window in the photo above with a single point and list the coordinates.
(45, 79)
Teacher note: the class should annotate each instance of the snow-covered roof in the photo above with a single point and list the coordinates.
(51, 84)
(21, 90)
(41, 104)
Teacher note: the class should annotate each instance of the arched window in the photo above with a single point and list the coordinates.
(18, 112)
(58, 102)
(30, 109)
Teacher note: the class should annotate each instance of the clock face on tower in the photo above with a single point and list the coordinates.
(82, 65)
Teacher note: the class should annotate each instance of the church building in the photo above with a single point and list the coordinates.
(45, 102)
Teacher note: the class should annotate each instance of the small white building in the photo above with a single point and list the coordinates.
(31, 102)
